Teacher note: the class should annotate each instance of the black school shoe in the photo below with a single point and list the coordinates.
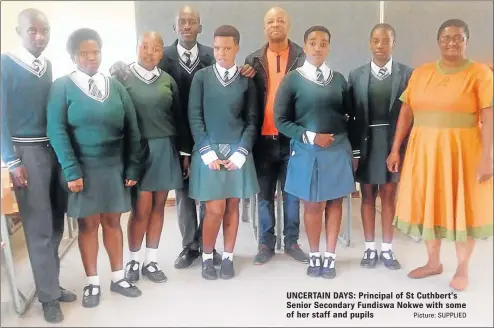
(130, 291)
(370, 258)
(155, 275)
(132, 271)
(88, 299)
(327, 271)
(67, 296)
(314, 269)
(208, 271)
(52, 311)
(227, 271)
(390, 261)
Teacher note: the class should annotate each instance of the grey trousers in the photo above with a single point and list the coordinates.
(187, 218)
(42, 206)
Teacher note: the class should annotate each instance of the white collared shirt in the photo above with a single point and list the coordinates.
(310, 70)
(388, 66)
(144, 73)
(194, 53)
(82, 79)
(27, 58)
(231, 71)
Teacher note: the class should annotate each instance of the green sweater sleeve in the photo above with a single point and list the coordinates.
(132, 135)
(9, 157)
(183, 143)
(284, 110)
(57, 131)
(251, 119)
(196, 114)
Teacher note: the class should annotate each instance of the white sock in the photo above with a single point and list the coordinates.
(384, 248)
(206, 256)
(318, 259)
(150, 255)
(93, 280)
(370, 245)
(119, 275)
(227, 256)
(134, 256)
(328, 255)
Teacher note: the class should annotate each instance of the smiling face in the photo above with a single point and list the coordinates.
(150, 50)
(187, 25)
(88, 57)
(382, 43)
(317, 47)
(453, 43)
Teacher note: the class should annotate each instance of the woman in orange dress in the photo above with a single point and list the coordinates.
(446, 180)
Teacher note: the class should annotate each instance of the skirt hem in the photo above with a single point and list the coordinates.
(439, 232)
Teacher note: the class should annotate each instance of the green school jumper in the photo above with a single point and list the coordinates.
(222, 113)
(157, 103)
(97, 140)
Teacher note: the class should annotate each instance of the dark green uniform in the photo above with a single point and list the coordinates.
(162, 128)
(97, 140)
(222, 113)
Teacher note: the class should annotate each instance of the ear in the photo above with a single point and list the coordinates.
(18, 30)
(174, 28)
(199, 29)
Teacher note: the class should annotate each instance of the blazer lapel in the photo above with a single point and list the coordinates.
(364, 87)
(395, 84)
(174, 64)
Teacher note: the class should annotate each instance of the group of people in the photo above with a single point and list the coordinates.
(95, 146)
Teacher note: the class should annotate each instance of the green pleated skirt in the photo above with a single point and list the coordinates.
(161, 170)
(207, 184)
(104, 191)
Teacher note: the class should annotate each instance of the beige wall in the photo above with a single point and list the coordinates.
(114, 20)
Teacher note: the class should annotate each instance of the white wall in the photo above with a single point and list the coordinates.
(114, 20)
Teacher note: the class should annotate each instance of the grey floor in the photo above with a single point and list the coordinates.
(258, 295)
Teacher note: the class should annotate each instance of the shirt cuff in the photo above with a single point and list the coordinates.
(184, 154)
(209, 157)
(309, 137)
(238, 159)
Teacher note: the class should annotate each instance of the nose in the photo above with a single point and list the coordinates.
(39, 37)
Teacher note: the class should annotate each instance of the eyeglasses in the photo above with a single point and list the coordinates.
(447, 39)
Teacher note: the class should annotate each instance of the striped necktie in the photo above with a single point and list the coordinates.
(383, 73)
(36, 65)
(224, 149)
(226, 76)
(93, 90)
(188, 61)
(320, 76)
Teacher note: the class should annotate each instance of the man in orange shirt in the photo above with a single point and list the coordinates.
(272, 150)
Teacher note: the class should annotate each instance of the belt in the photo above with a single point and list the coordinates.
(444, 119)
(272, 137)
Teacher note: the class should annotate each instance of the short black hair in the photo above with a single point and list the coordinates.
(456, 23)
(316, 28)
(385, 26)
(228, 30)
(80, 35)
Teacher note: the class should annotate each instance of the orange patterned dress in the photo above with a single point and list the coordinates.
(439, 195)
